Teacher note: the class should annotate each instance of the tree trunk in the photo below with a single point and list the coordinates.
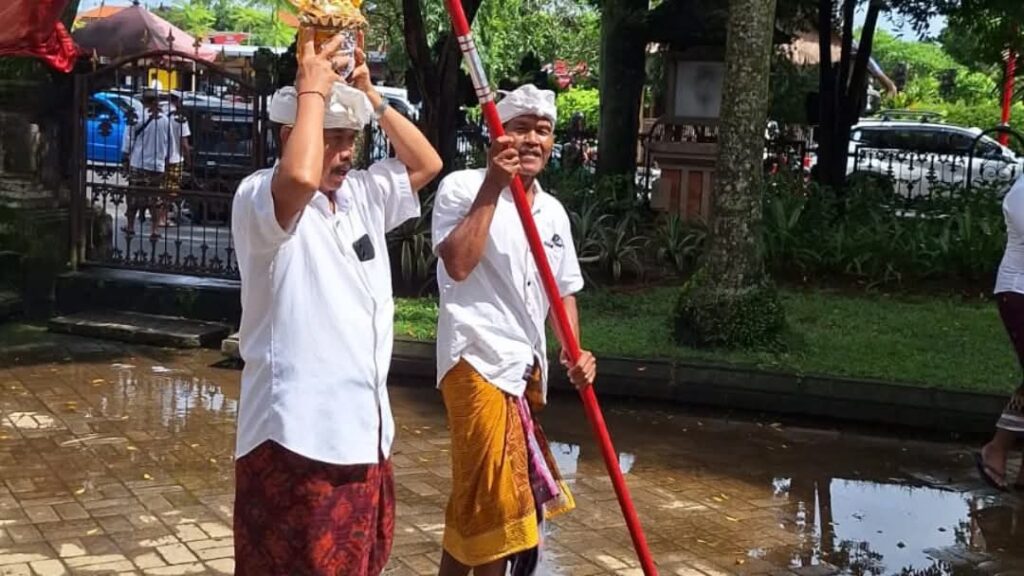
(730, 301)
(842, 88)
(623, 53)
(437, 80)
(828, 97)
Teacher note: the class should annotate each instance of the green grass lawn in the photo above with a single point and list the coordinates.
(929, 341)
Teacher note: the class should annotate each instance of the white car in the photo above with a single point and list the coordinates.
(398, 98)
(916, 156)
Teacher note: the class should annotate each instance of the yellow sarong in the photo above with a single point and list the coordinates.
(491, 514)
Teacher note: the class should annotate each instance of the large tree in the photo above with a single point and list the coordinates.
(438, 77)
(842, 85)
(730, 300)
(979, 32)
(627, 27)
(623, 73)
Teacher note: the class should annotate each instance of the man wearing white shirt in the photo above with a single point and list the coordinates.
(491, 345)
(146, 149)
(314, 488)
(180, 146)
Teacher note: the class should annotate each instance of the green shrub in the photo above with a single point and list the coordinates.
(584, 100)
(869, 235)
(677, 244)
(708, 318)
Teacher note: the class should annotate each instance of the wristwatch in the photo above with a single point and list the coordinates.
(381, 108)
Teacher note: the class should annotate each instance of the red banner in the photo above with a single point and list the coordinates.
(33, 28)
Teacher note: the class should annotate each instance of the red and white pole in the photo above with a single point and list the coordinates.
(1011, 71)
(565, 332)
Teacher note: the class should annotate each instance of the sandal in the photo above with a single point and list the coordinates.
(987, 473)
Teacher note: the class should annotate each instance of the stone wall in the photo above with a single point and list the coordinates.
(30, 144)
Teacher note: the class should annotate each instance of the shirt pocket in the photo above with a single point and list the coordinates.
(554, 247)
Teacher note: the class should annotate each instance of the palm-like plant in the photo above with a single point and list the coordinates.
(678, 243)
(410, 244)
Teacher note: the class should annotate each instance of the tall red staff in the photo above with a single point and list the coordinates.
(1011, 71)
(565, 332)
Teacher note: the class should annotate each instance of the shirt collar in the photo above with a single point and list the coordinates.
(538, 198)
(342, 201)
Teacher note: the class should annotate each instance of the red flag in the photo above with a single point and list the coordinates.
(33, 28)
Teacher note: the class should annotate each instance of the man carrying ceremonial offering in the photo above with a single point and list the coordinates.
(314, 485)
(491, 346)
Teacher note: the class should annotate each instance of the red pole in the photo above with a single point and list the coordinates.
(1011, 70)
(565, 332)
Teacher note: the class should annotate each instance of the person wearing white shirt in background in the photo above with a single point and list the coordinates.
(491, 346)
(181, 150)
(1009, 291)
(314, 491)
(146, 149)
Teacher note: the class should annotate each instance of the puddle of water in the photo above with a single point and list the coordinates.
(854, 504)
(567, 457)
(171, 394)
(877, 528)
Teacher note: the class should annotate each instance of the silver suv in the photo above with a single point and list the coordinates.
(915, 156)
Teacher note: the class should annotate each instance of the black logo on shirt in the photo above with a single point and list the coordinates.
(556, 241)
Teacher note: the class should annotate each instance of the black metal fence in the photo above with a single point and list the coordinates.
(162, 141)
(471, 144)
(916, 174)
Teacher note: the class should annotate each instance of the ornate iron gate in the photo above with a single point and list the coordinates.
(162, 140)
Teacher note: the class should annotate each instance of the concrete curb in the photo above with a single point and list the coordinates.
(743, 388)
(140, 328)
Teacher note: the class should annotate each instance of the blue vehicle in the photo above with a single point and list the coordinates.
(107, 117)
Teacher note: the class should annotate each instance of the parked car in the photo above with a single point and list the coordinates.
(127, 103)
(106, 119)
(916, 155)
(222, 154)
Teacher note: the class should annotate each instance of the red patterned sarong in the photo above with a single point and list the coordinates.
(294, 515)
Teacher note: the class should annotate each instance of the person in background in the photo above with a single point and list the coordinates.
(1009, 292)
(181, 151)
(146, 149)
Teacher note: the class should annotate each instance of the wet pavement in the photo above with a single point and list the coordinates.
(118, 459)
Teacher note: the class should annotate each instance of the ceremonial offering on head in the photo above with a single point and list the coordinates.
(328, 18)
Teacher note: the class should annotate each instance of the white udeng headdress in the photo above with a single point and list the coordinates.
(528, 100)
(347, 107)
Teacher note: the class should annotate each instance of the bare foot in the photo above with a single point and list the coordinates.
(992, 465)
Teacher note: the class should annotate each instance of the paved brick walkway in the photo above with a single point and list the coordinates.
(116, 459)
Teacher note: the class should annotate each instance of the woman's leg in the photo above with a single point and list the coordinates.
(1011, 422)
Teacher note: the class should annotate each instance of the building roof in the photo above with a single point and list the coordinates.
(101, 11)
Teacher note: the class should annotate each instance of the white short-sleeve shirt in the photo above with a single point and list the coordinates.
(179, 130)
(318, 318)
(495, 318)
(148, 142)
(1011, 269)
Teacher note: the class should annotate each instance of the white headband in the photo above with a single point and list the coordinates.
(528, 100)
(347, 107)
